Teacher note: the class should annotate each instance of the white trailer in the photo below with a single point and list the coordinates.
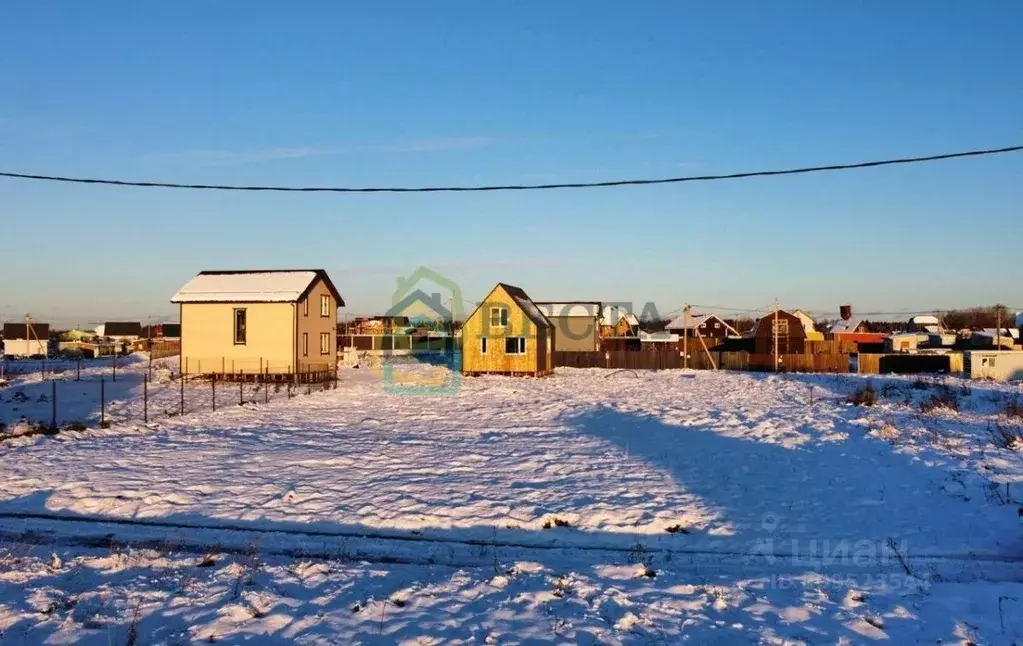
(1000, 365)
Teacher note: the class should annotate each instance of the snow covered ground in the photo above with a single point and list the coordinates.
(591, 507)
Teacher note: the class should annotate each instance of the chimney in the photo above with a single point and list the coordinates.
(845, 311)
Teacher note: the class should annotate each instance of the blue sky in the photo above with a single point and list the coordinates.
(415, 93)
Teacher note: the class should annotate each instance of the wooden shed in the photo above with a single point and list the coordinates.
(507, 334)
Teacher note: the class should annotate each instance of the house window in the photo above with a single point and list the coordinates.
(483, 345)
(781, 326)
(498, 317)
(239, 327)
(515, 345)
(324, 305)
(305, 344)
(324, 343)
(305, 307)
(717, 326)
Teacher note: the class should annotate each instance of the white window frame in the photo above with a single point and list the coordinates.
(483, 345)
(502, 316)
(325, 305)
(520, 342)
(324, 343)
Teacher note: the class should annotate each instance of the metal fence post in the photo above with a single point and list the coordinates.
(241, 385)
(213, 383)
(53, 420)
(145, 399)
(102, 403)
(78, 369)
(115, 366)
(182, 381)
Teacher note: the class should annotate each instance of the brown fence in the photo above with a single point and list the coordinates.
(618, 360)
(835, 363)
(164, 349)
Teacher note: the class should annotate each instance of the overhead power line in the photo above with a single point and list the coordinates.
(517, 187)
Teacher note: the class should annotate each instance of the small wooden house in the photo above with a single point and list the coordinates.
(269, 322)
(507, 334)
(616, 321)
(704, 325)
(26, 339)
(793, 332)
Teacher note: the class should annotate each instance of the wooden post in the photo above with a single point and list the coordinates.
(776, 335)
(685, 336)
(182, 381)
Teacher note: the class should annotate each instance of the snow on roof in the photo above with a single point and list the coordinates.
(613, 314)
(925, 319)
(586, 310)
(846, 325)
(1006, 332)
(695, 321)
(658, 337)
(246, 287)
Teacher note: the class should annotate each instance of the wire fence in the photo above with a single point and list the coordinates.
(76, 397)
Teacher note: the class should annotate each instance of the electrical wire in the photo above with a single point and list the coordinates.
(517, 187)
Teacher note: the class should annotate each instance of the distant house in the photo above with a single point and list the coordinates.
(925, 324)
(168, 331)
(420, 310)
(507, 334)
(616, 321)
(906, 341)
(794, 329)
(120, 331)
(26, 340)
(704, 325)
(853, 328)
(993, 338)
(576, 324)
(281, 322)
(379, 325)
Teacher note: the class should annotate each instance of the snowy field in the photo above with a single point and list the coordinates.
(591, 507)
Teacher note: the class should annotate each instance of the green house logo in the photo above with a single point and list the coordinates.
(431, 314)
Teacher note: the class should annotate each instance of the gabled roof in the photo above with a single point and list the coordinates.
(695, 321)
(432, 302)
(579, 309)
(521, 299)
(17, 331)
(613, 314)
(846, 326)
(526, 304)
(254, 286)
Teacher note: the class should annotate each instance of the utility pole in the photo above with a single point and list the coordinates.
(998, 327)
(685, 336)
(775, 326)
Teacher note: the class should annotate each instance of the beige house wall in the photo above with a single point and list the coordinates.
(310, 322)
(576, 333)
(538, 357)
(207, 338)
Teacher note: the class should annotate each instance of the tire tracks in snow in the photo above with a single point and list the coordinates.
(425, 550)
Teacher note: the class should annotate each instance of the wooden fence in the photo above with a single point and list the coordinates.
(618, 360)
(163, 349)
(396, 342)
